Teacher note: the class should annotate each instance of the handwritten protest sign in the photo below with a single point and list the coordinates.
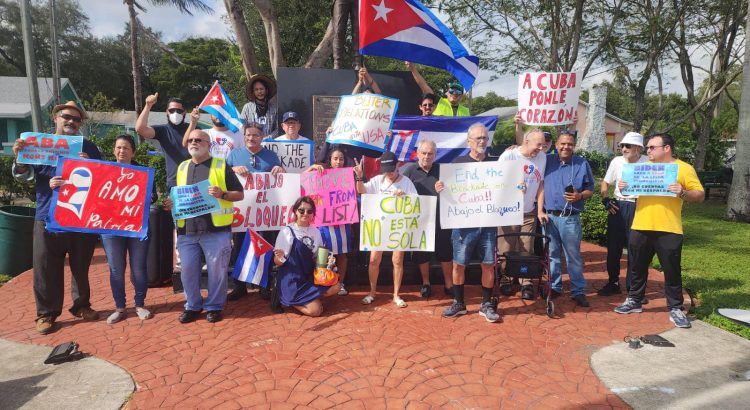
(481, 194)
(189, 201)
(268, 201)
(101, 197)
(649, 179)
(44, 149)
(363, 120)
(334, 193)
(393, 223)
(548, 98)
(295, 156)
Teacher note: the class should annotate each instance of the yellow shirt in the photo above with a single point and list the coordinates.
(445, 109)
(664, 213)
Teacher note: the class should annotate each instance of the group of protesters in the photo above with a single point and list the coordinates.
(555, 190)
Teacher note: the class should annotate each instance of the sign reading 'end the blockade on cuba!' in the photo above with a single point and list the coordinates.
(548, 98)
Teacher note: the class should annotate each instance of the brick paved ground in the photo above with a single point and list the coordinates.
(354, 356)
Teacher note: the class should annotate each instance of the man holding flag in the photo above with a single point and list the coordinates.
(226, 133)
(448, 106)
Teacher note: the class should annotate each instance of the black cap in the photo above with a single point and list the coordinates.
(388, 162)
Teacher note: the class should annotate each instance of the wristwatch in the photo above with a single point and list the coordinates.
(683, 194)
(223, 194)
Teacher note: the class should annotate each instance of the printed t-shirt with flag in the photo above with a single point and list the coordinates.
(254, 261)
(407, 30)
(218, 104)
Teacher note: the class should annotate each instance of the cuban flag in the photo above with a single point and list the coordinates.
(407, 30)
(218, 104)
(448, 133)
(254, 260)
(72, 196)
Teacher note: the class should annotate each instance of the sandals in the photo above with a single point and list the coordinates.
(399, 302)
(368, 299)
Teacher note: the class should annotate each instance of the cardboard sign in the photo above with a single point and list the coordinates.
(646, 179)
(45, 149)
(363, 120)
(548, 98)
(481, 194)
(295, 156)
(397, 223)
(101, 197)
(268, 201)
(334, 193)
(189, 201)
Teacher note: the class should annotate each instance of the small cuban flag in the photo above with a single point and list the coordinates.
(254, 260)
(218, 104)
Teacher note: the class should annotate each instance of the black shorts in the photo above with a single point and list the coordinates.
(443, 248)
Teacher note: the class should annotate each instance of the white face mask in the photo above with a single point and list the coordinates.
(176, 118)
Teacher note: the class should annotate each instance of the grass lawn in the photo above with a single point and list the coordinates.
(4, 278)
(716, 263)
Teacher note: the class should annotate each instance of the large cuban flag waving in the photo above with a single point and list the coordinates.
(407, 30)
(218, 104)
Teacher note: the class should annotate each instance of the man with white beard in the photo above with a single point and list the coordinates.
(210, 233)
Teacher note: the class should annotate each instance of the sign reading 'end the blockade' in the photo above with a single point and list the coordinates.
(295, 156)
(548, 98)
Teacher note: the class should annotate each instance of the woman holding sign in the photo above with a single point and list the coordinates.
(337, 238)
(118, 248)
(388, 182)
(296, 248)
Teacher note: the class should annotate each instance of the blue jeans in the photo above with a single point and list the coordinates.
(217, 247)
(565, 234)
(117, 248)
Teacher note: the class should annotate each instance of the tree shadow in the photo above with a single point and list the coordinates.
(17, 392)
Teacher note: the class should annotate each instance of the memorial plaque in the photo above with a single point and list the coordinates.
(324, 111)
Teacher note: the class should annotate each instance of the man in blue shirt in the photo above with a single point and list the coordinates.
(568, 182)
(244, 160)
(50, 248)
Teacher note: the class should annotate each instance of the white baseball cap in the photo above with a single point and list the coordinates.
(633, 138)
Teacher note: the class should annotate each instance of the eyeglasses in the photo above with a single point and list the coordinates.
(653, 147)
(628, 146)
(427, 105)
(303, 211)
(480, 139)
(175, 110)
(68, 117)
(455, 92)
(195, 140)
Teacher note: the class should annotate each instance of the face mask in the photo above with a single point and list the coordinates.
(176, 118)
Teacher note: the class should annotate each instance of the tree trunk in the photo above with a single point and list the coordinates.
(701, 136)
(738, 205)
(273, 35)
(244, 41)
(324, 49)
(135, 59)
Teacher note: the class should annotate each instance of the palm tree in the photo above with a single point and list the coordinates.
(184, 6)
(738, 205)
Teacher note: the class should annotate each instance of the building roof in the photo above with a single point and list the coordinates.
(16, 102)
(127, 118)
(618, 119)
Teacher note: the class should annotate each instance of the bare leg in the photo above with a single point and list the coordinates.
(374, 270)
(333, 290)
(447, 273)
(314, 308)
(398, 271)
(341, 264)
(424, 270)
(459, 274)
(488, 275)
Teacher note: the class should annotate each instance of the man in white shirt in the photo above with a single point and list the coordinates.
(291, 125)
(223, 140)
(621, 210)
(531, 154)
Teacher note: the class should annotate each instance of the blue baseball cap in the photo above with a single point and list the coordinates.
(290, 115)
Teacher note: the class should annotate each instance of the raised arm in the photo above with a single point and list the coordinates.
(195, 115)
(141, 124)
(419, 79)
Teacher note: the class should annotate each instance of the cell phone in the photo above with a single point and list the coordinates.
(569, 189)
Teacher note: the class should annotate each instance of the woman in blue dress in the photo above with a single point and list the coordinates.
(294, 254)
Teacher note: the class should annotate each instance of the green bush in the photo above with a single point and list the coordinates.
(10, 189)
(594, 220)
(598, 162)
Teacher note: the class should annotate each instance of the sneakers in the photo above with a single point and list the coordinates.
(581, 300)
(116, 316)
(45, 325)
(507, 289)
(629, 306)
(426, 290)
(343, 291)
(677, 316)
(611, 288)
(455, 309)
(87, 314)
(487, 310)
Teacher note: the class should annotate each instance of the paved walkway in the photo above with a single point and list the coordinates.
(354, 356)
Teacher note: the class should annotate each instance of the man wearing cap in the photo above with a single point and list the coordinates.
(223, 140)
(620, 212)
(261, 108)
(50, 248)
(169, 135)
(291, 125)
(568, 182)
(450, 106)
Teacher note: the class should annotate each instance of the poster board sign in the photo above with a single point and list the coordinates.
(189, 201)
(363, 120)
(548, 98)
(101, 197)
(295, 156)
(647, 179)
(335, 195)
(481, 194)
(393, 223)
(267, 205)
(45, 149)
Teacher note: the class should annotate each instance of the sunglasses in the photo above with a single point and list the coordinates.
(455, 92)
(194, 140)
(175, 110)
(628, 146)
(653, 147)
(68, 117)
(303, 211)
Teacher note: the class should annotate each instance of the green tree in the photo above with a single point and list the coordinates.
(490, 101)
